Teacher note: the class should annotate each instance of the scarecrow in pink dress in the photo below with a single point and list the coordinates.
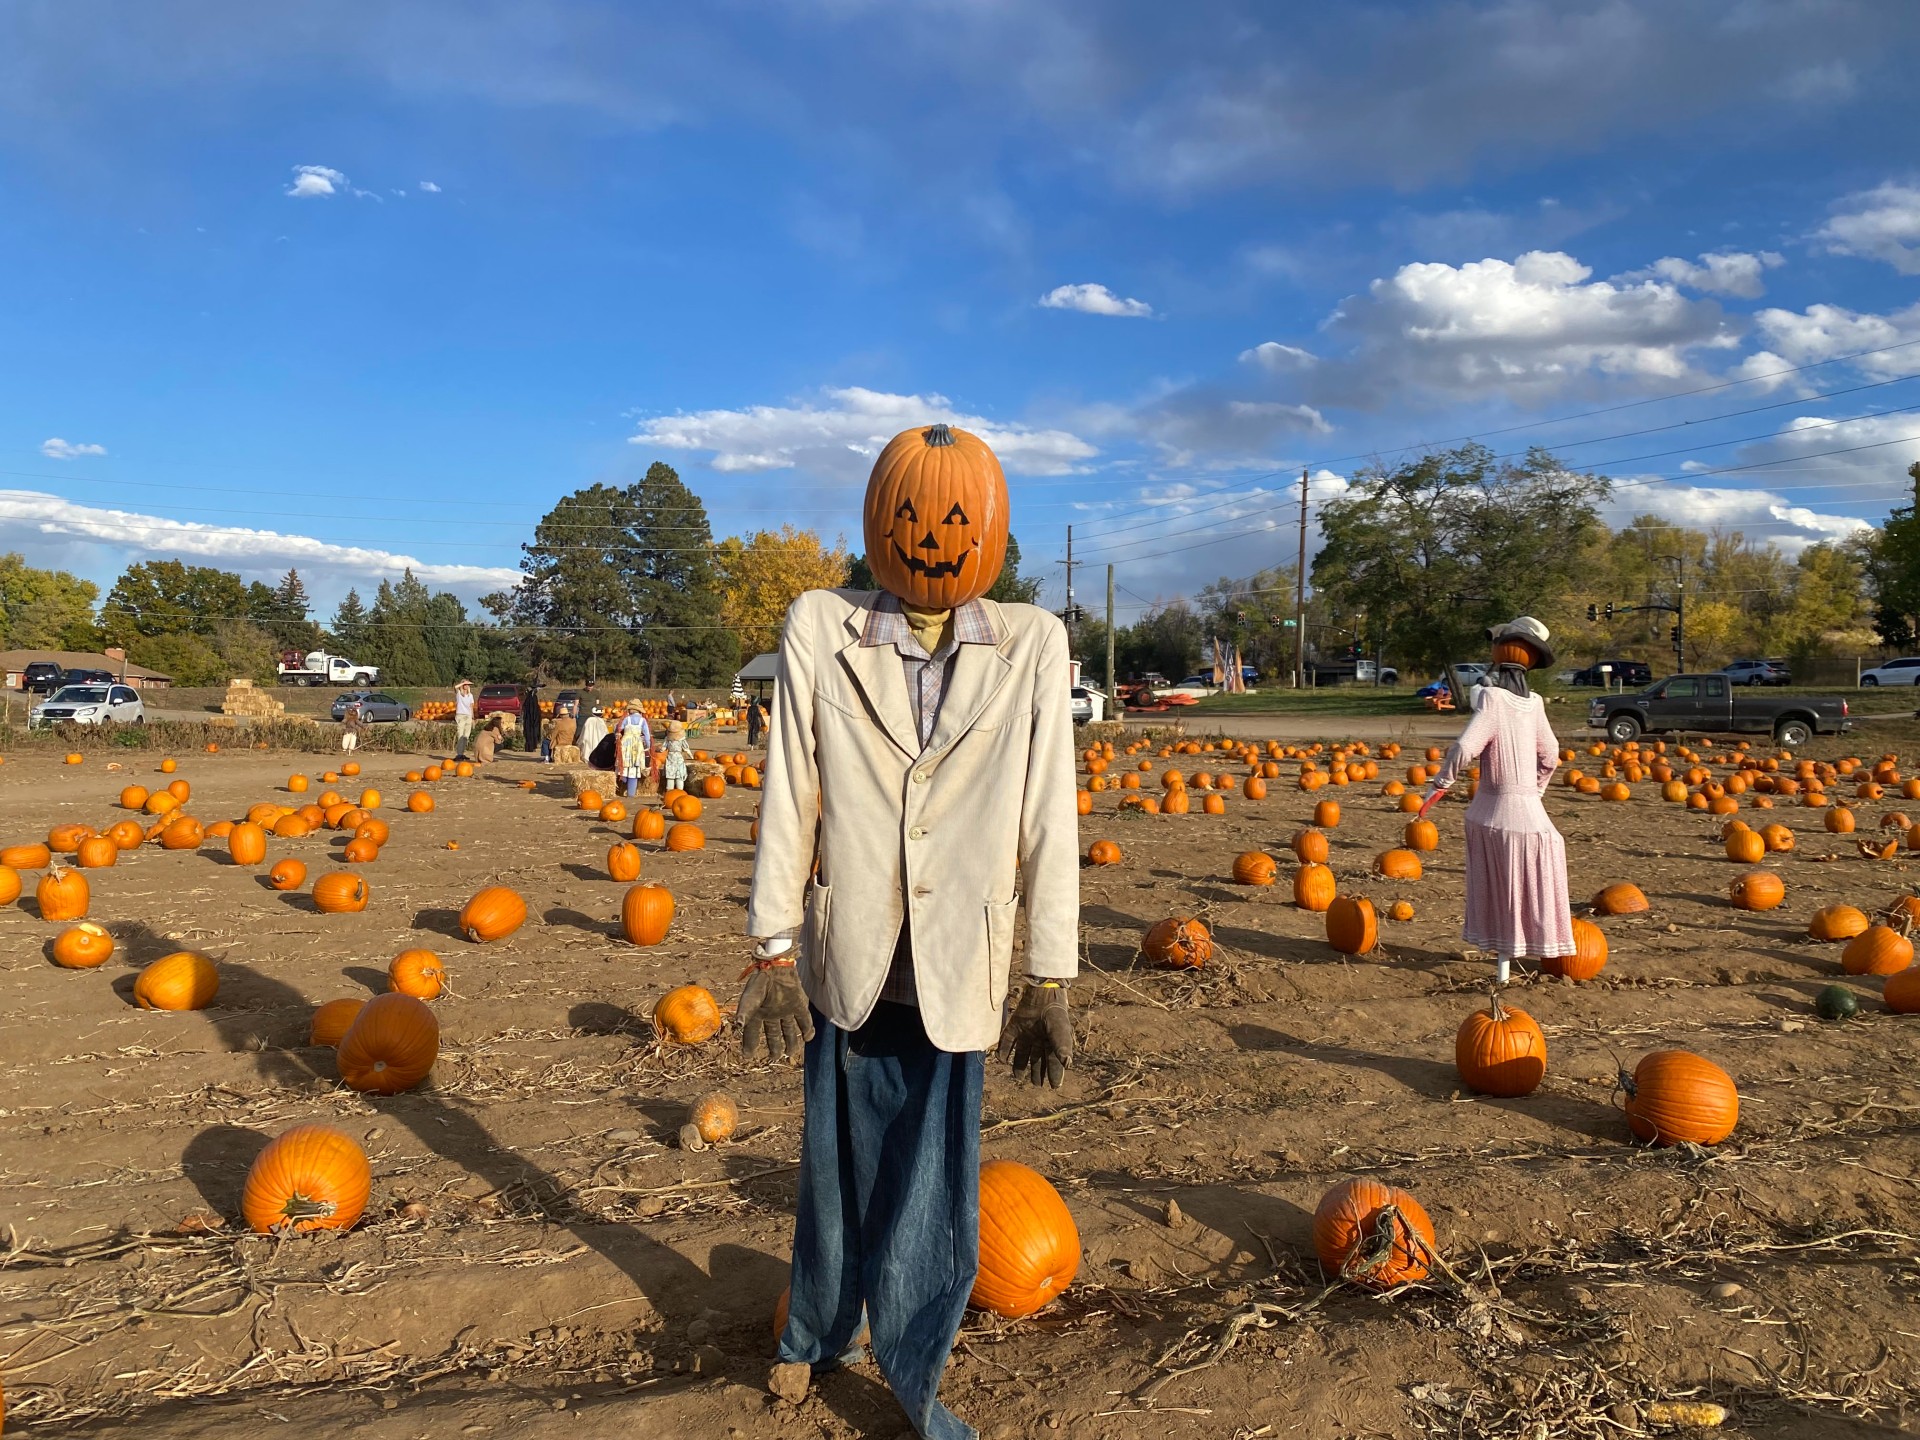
(1516, 861)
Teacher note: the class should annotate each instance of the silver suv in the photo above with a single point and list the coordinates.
(89, 705)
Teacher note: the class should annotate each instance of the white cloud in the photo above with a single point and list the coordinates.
(1764, 516)
(1792, 338)
(1878, 224)
(838, 439)
(1722, 272)
(1093, 300)
(37, 517)
(317, 182)
(429, 187)
(58, 449)
(1282, 359)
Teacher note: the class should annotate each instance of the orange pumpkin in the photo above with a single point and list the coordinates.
(1352, 927)
(374, 830)
(935, 517)
(1745, 847)
(1422, 835)
(391, 1045)
(1313, 887)
(1374, 1235)
(1675, 1095)
(1902, 991)
(1757, 890)
(713, 787)
(1327, 814)
(287, 875)
(419, 802)
(1255, 867)
(352, 767)
(492, 914)
(1398, 865)
(1179, 942)
(184, 980)
(645, 913)
(685, 807)
(82, 947)
(686, 1015)
(247, 843)
(9, 884)
(714, 1117)
(297, 784)
(1029, 1245)
(1310, 847)
(418, 973)
(1500, 1051)
(1620, 899)
(649, 825)
(623, 862)
(685, 836)
(63, 895)
(360, 852)
(1589, 957)
(314, 1177)
(590, 800)
(96, 852)
(133, 797)
(1836, 922)
(126, 835)
(340, 892)
(1877, 950)
(330, 1021)
(1103, 852)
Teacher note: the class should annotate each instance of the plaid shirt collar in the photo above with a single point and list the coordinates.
(887, 625)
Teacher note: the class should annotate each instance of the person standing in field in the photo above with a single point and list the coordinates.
(351, 729)
(560, 734)
(1516, 859)
(755, 721)
(635, 750)
(673, 767)
(462, 718)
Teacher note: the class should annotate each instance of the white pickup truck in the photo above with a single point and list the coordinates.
(317, 667)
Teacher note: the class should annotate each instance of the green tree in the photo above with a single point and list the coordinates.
(1432, 551)
(189, 659)
(167, 597)
(676, 589)
(283, 610)
(44, 609)
(396, 632)
(349, 629)
(1893, 573)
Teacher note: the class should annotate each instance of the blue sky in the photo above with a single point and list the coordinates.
(348, 285)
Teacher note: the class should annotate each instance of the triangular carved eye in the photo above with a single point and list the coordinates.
(955, 516)
(906, 512)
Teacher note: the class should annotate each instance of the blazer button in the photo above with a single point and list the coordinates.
(919, 777)
(916, 833)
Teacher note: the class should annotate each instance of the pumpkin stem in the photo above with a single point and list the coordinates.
(1496, 1012)
(298, 1207)
(937, 435)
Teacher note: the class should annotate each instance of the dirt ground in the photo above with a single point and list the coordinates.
(540, 1259)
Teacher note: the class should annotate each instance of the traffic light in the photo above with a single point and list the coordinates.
(1674, 634)
(1609, 610)
(1593, 612)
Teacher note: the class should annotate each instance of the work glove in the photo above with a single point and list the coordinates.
(773, 1008)
(1039, 1034)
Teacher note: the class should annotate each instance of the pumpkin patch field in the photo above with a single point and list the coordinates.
(410, 1103)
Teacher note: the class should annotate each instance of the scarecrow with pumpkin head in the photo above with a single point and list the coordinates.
(922, 754)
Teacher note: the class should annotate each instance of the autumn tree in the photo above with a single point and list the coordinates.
(1893, 572)
(762, 574)
(45, 609)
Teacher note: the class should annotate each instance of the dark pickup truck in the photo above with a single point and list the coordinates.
(1706, 703)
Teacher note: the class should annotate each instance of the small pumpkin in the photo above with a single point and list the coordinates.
(1836, 922)
(184, 980)
(331, 1020)
(247, 843)
(390, 1046)
(9, 884)
(714, 1117)
(82, 947)
(1029, 1245)
(127, 835)
(1902, 991)
(1178, 942)
(648, 825)
(96, 852)
(314, 1177)
(1313, 887)
(1352, 927)
(1421, 835)
(1757, 890)
(589, 800)
(1623, 898)
(623, 862)
(1310, 847)
(1398, 865)
(646, 911)
(1500, 1051)
(686, 836)
(1103, 852)
(1877, 950)
(492, 914)
(1836, 1002)
(287, 875)
(65, 839)
(63, 895)
(26, 857)
(1254, 867)
(1374, 1235)
(185, 833)
(1675, 1095)
(133, 797)
(1326, 814)
(418, 973)
(340, 892)
(419, 802)
(360, 852)
(686, 807)
(686, 1015)
(613, 812)
(1589, 956)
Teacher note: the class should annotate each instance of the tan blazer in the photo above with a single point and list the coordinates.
(944, 838)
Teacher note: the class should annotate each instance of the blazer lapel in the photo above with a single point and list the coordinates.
(978, 673)
(882, 681)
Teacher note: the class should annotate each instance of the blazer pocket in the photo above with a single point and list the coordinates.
(813, 942)
(1000, 919)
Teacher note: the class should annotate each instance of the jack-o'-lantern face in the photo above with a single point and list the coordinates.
(936, 517)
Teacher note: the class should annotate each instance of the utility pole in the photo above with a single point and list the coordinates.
(1300, 595)
(1680, 613)
(1112, 694)
(1069, 613)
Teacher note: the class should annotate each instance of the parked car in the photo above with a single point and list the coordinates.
(584, 703)
(1758, 672)
(1894, 672)
(1089, 705)
(1634, 674)
(1368, 672)
(1197, 686)
(42, 677)
(373, 705)
(89, 705)
(502, 698)
(1469, 670)
(1707, 703)
(89, 677)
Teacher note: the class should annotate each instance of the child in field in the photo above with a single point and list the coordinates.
(351, 729)
(673, 770)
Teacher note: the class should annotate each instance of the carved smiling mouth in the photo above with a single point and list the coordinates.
(938, 570)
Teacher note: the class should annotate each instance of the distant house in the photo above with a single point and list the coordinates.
(759, 672)
(14, 663)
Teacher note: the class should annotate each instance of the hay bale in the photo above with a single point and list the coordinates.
(588, 778)
(568, 755)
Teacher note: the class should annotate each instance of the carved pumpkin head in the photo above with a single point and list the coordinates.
(936, 517)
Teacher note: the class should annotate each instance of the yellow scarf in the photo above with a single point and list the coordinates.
(930, 627)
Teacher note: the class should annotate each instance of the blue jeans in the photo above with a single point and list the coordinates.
(889, 1206)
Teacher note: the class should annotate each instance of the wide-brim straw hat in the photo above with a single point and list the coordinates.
(1529, 632)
